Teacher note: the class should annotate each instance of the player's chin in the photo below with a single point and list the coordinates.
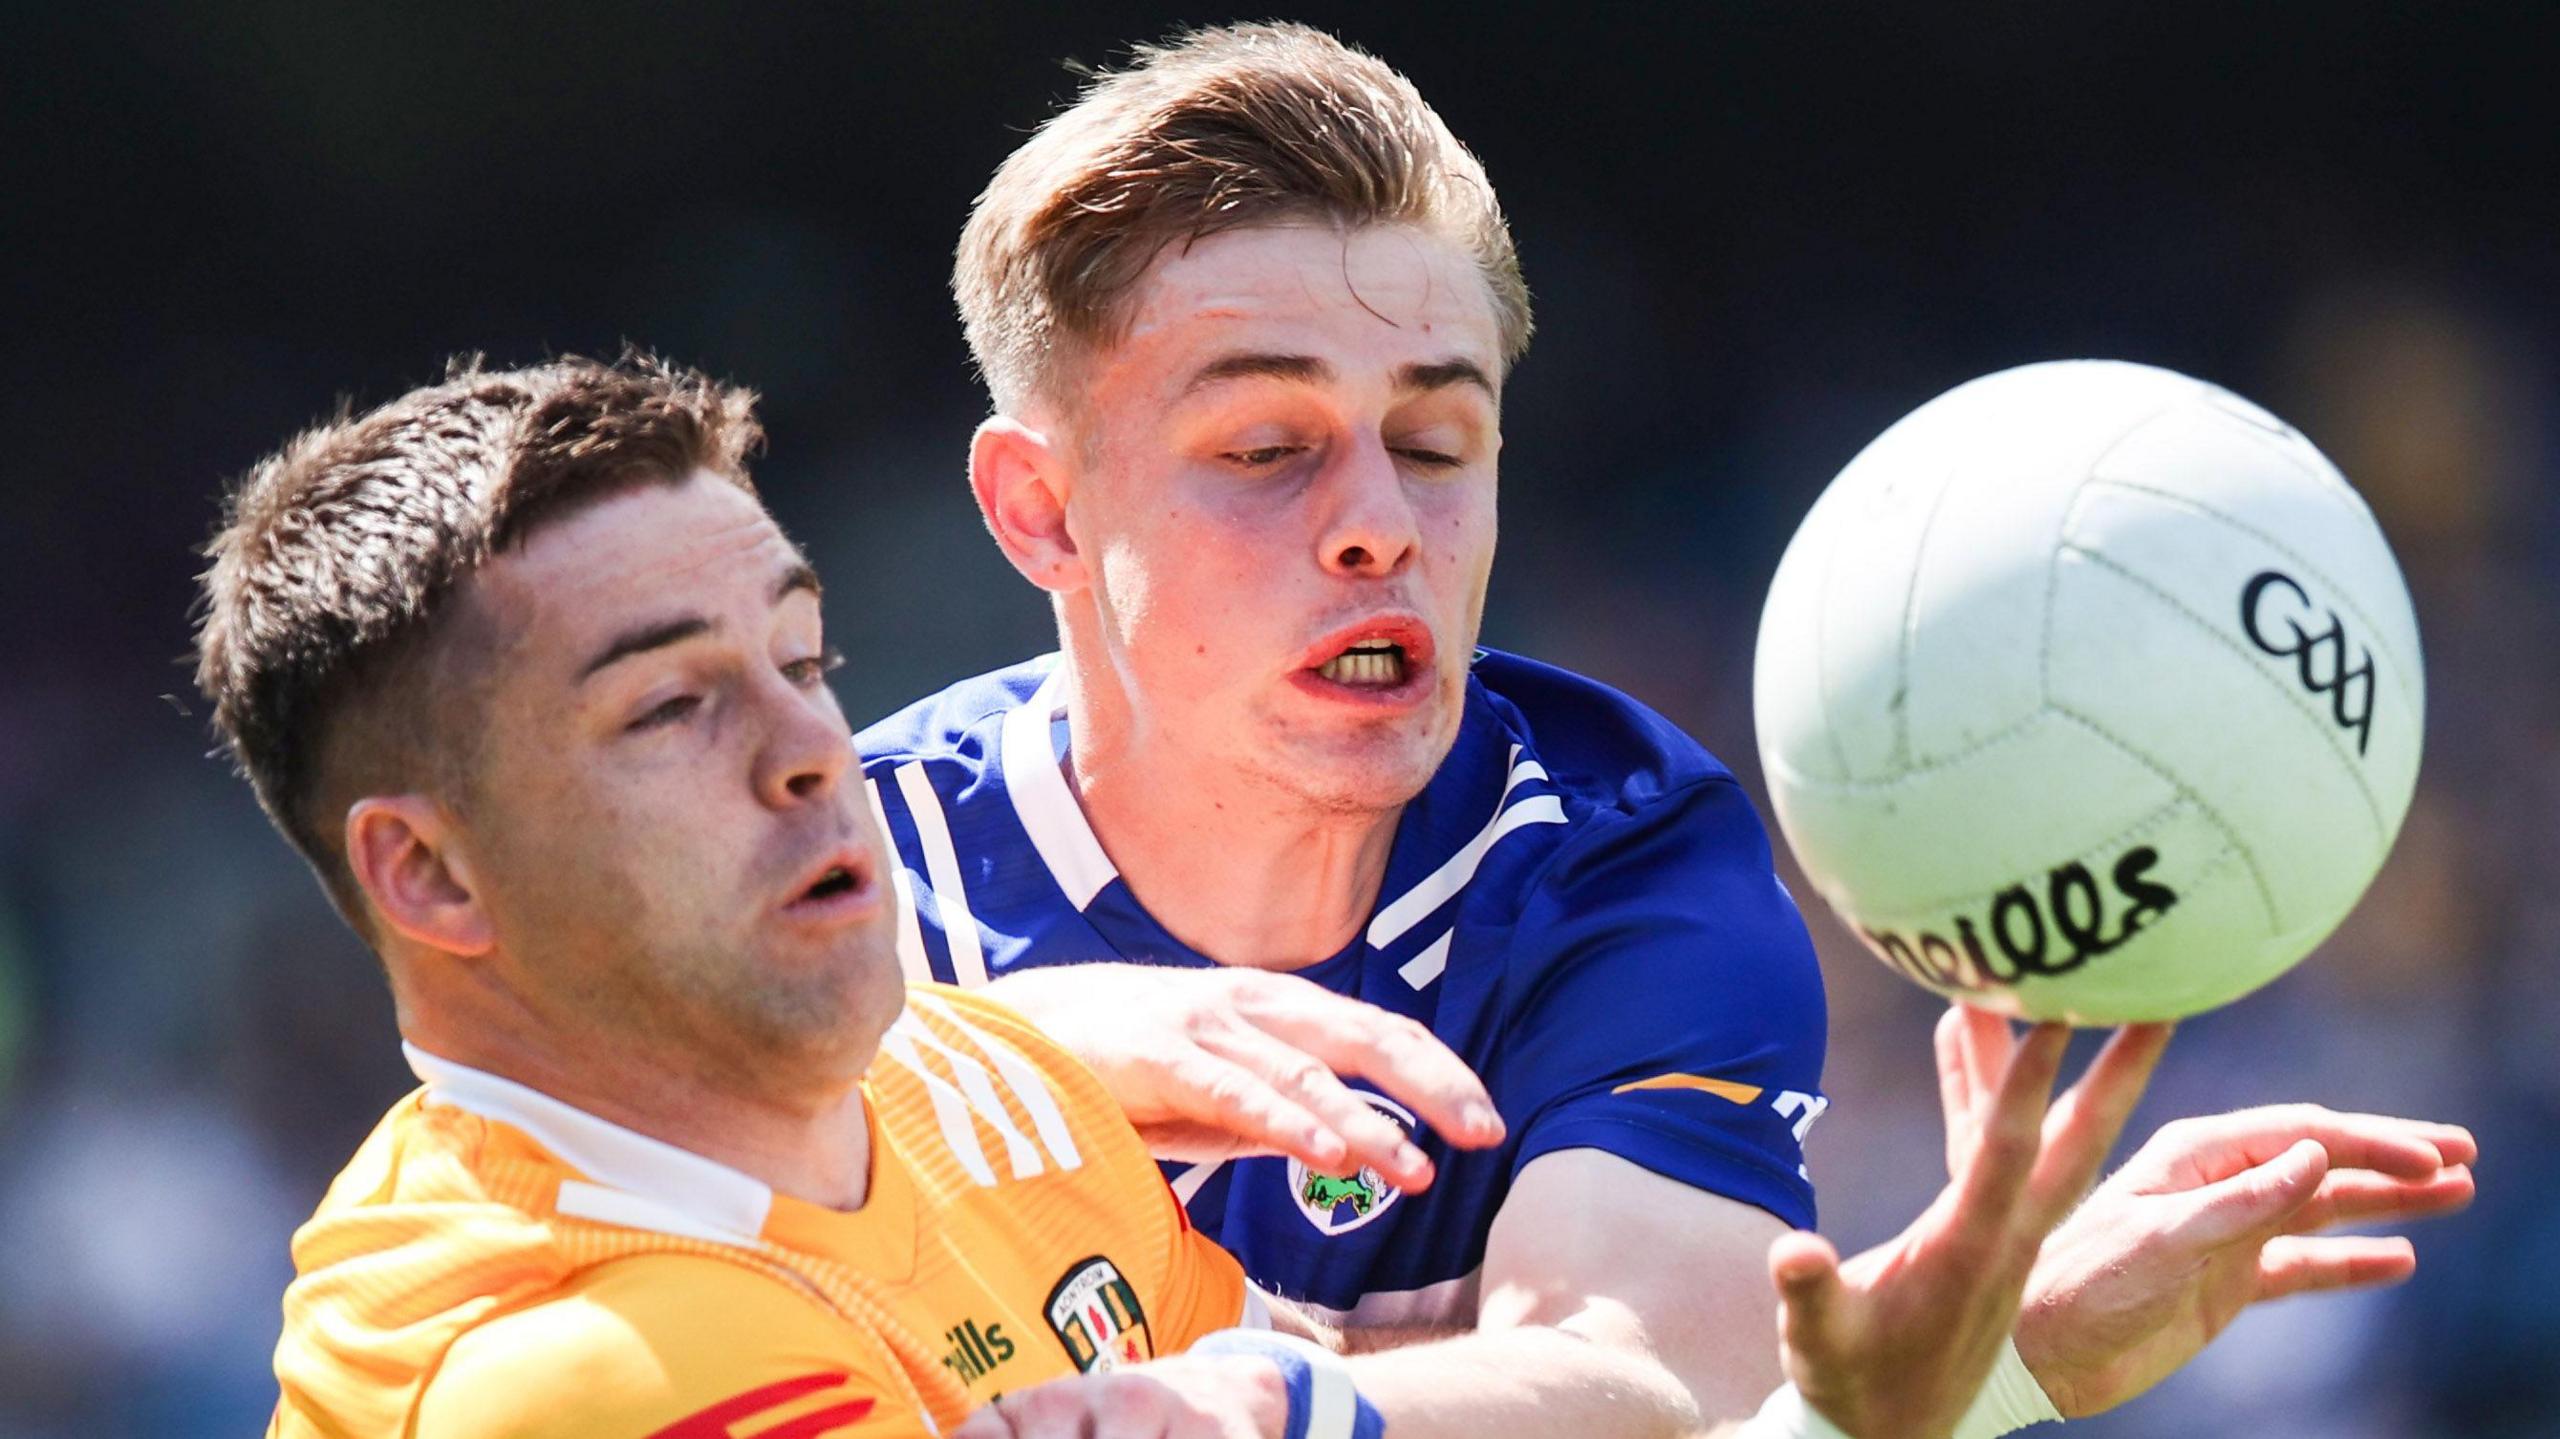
(1376, 768)
(822, 1010)
(841, 971)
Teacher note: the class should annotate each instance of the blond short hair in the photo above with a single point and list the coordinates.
(1217, 130)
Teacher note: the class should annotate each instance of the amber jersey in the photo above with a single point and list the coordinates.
(497, 1263)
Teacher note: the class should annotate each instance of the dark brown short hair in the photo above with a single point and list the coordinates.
(1217, 130)
(322, 606)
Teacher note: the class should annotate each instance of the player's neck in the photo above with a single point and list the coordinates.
(1222, 868)
(814, 1146)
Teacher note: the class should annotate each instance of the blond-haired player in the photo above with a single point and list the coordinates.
(1247, 313)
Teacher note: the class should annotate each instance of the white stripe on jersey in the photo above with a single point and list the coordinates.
(942, 867)
(1426, 966)
(956, 1111)
(1019, 1151)
(1029, 1089)
(1257, 1308)
(1044, 803)
(950, 1111)
(1416, 904)
(1188, 1182)
(911, 960)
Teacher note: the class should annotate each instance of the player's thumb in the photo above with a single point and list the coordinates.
(2256, 1202)
(1806, 1270)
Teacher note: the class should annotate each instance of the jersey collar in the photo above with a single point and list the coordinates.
(1487, 787)
(1042, 799)
(630, 1179)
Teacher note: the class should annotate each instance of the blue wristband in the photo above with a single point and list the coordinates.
(1323, 1402)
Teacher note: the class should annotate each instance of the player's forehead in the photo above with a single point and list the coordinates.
(702, 545)
(1369, 301)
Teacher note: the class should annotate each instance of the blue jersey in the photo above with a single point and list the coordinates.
(1580, 904)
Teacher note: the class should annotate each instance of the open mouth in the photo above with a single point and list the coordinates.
(1385, 658)
(1368, 663)
(836, 881)
(842, 889)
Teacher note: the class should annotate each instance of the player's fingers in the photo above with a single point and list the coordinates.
(1058, 1409)
(1129, 1406)
(2454, 1144)
(1986, 1042)
(1212, 1089)
(1995, 1174)
(1957, 1097)
(1812, 1302)
(2297, 1265)
(2403, 1147)
(1368, 1135)
(2356, 1196)
(1405, 1060)
(2253, 1204)
(2088, 1118)
(1188, 1141)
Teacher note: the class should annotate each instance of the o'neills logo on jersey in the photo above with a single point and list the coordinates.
(1338, 1204)
(1096, 1315)
(975, 1351)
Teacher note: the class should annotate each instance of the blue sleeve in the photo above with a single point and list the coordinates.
(1672, 1012)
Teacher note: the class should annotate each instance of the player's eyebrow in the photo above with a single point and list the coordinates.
(658, 634)
(1309, 370)
(1441, 374)
(800, 576)
(640, 639)
(1303, 369)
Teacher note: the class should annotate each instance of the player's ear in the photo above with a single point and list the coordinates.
(1020, 477)
(403, 851)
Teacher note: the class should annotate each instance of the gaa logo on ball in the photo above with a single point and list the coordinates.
(2089, 691)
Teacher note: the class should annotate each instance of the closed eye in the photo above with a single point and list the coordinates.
(674, 711)
(1263, 457)
(1431, 459)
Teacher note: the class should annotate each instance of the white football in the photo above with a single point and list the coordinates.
(2091, 692)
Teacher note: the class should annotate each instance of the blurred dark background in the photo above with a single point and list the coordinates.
(1758, 232)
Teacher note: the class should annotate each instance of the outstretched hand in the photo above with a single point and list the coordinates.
(2213, 1215)
(1898, 1340)
(1216, 1063)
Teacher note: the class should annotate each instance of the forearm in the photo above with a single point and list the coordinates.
(1530, 1381)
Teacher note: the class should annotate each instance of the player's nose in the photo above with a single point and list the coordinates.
(1368, 527)
(806, 749)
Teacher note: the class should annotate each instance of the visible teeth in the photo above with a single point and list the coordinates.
(1365, 667)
